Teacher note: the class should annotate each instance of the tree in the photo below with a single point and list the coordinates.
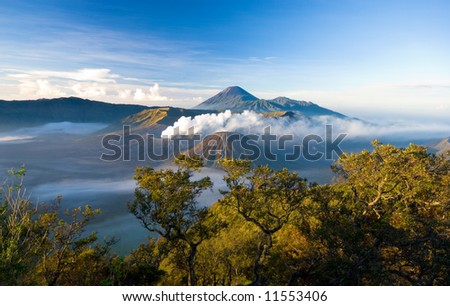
(396, 207)
(37, 244)
(228, 258)
(17, 241)
(63, 242)
(139, 267)
(166, 203)
(264, 197)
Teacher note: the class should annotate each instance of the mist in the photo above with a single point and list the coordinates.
(31, 133)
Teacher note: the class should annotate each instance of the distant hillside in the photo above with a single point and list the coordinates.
(217, 146)
(280, 114)
(18, 114)
(155, 119)
(237, 99)
(35, 112)
(441, 146)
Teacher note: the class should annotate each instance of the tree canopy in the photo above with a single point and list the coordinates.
(384, 220)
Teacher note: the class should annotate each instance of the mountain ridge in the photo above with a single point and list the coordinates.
(441, 146)
(24, 113)
(235, 98)
(155, 118)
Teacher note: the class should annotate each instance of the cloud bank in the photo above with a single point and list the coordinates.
(86, 83)
(249, 122)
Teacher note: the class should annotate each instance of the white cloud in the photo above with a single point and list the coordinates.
(45, 89)
(154, 93)
(90, 83)
(151, 95)
(139, 94)
(40, 89)
(125, 94)
(85, 74)
(89, 90)
(19, 75)
(266, 59)
(50, 84)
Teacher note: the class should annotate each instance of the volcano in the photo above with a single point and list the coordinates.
(237, 99)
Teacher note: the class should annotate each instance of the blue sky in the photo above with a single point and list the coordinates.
(385, 59)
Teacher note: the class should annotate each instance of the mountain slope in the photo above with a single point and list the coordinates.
(154, 119)
(217, 146)
(442, 145)
(237, 99)
(306, 108)
(159, 117)
(35, 112)
(230, 98)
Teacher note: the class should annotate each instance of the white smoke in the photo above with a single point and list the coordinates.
(249, 122)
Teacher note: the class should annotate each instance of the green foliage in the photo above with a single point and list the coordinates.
(189, 163)
(397, 201)
(38, 245)
(228, 257)
(165, 203)
(265, 198)
(63, 242)
(16, 223)
(140, 267)
(384, 221)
